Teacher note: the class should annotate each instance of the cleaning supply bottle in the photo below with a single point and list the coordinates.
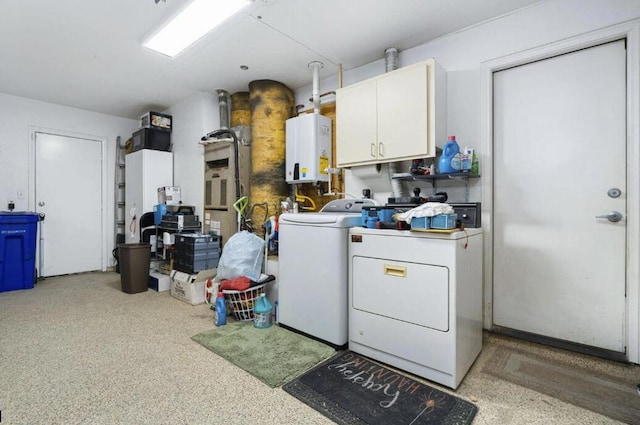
(474, 164)
(221, 310)
(449, 151)
(262, 312)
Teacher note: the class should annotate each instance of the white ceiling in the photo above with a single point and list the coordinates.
(87, 54)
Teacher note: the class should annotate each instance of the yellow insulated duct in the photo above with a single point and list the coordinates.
(240, 109)
(271, 104)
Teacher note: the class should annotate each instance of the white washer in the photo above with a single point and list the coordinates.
(312, 269)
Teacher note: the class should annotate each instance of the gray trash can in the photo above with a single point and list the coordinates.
(134, 259)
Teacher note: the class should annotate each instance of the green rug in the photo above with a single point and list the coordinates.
(273, 355)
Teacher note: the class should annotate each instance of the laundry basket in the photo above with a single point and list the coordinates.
(242, 302)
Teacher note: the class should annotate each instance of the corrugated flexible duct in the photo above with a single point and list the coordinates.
(397, 186)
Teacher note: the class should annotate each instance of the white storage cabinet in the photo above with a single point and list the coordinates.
(396, 116)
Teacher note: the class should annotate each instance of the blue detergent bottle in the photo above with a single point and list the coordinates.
(262, 312)
(221, 310)
(449, 151)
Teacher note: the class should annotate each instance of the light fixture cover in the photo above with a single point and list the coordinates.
(191, 23)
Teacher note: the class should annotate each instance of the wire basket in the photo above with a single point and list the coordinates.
(242, 302)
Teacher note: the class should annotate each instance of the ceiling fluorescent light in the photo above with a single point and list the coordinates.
(194, 21)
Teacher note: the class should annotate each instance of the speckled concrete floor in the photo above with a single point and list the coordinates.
(77, 350)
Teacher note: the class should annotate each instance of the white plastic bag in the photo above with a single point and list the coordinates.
(242, 255)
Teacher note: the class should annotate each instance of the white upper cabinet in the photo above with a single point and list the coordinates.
(393, 117)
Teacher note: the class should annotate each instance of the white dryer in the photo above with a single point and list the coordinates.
(312, 269)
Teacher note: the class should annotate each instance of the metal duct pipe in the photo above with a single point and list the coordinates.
(316, 66)
(397, 186)
(390, 59)
(223, 102)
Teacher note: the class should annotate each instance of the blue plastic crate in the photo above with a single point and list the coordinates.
(18, 237)
(444, 221)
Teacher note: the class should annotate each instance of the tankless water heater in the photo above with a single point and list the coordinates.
(308, 148)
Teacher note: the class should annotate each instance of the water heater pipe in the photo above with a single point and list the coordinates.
(316, 66)
(223, 102)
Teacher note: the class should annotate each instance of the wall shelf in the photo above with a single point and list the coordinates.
(433, 179)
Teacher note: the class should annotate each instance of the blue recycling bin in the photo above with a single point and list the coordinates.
(18, 237)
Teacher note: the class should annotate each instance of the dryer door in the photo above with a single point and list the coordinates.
(409, 292)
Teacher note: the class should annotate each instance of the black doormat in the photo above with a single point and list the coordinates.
(351, 389)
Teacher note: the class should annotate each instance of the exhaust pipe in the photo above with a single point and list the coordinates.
(223, 102)
(316, 66)
(397, 186)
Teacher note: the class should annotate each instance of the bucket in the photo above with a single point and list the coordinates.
(262, 313)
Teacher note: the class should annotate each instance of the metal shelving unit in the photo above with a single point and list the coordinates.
(119, 214)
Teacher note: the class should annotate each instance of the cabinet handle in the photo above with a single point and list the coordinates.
(373, 150)
(395, 271)
(381, 149)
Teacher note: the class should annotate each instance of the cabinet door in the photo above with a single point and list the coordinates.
(356, 141)
(402, 114)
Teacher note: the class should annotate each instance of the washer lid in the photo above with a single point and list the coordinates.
(322, 219)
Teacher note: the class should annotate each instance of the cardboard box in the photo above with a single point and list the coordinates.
(169, 195)
(190, 287)
(159, 282)
(156, 120)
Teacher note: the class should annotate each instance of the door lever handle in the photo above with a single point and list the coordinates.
(612, 216)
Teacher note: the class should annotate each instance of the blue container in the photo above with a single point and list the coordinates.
(18, 236)
(262, 313)
(420, 223)
(221, 310)
(450, 150)
(444, 221)
(158, 211)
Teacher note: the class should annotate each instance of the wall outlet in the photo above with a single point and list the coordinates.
(11, 205)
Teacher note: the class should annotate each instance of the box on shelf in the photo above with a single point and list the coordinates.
(159, 282)
(443, 221)
(190, 287)
(150, 138)
(169, 195)
(156, 120)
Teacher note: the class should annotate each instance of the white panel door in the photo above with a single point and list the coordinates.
(559, 148)
(68, 189)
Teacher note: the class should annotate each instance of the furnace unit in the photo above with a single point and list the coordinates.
(219, 185)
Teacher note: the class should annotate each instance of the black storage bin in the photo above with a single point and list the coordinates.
(151, 138)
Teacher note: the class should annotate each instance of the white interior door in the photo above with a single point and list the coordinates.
(559, 150)
(68, 189)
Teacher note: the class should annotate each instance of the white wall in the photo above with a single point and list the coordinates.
(467, 56)
(18, 115)
(462, 55)
(193, 118)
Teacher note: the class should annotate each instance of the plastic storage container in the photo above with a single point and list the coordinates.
(444, 221)
(262, 313)
(18, 236)
(135, 261)
(420, 223)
